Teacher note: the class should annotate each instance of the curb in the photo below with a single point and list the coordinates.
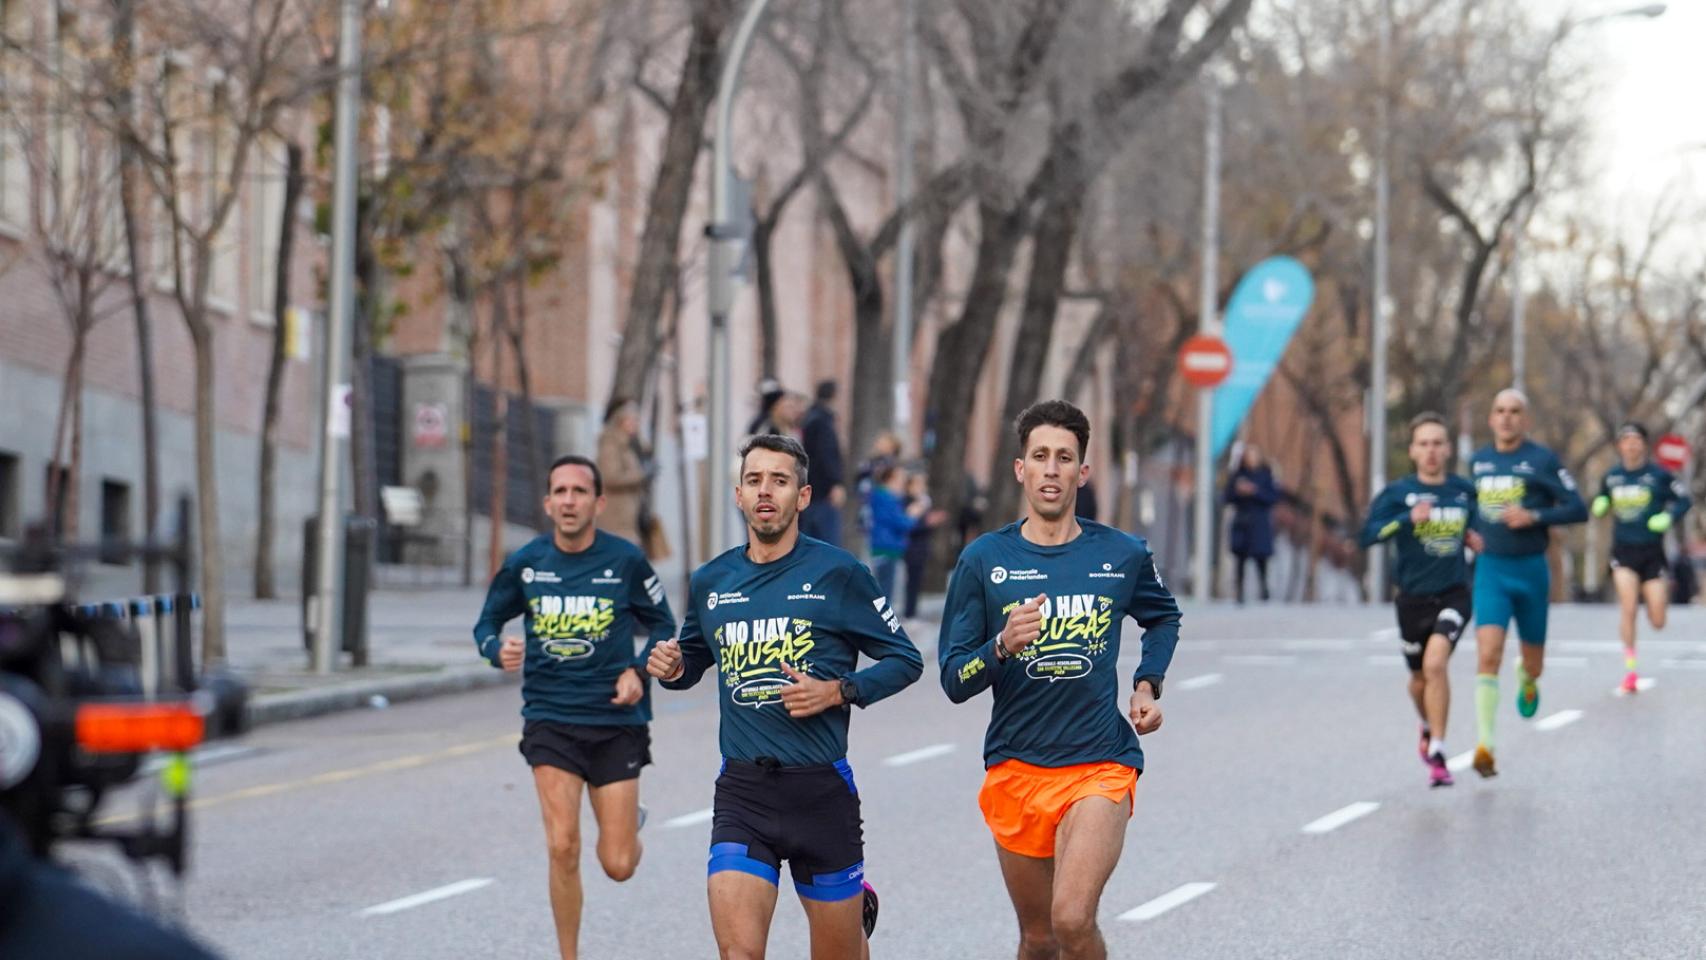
(302, 704)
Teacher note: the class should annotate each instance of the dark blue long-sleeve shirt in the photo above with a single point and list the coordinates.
(582, 611)
(1531, 476)
(816, 609)
(1430, 554)
(1058, 702)
(1639, 495)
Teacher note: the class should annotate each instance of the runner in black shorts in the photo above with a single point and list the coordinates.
(784, 620)
(1645, 502)
(584, 594)
(1427, 514)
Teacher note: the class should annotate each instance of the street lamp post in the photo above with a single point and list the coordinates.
(328, 584)
(721, 292)
(1208, 322)
(1380, 319)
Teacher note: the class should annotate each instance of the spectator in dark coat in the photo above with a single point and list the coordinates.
(1251, 493)
(918, 541)
(822, 519)
(1085, 506)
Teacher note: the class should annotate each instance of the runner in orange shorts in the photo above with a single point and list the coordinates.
(1033, 614)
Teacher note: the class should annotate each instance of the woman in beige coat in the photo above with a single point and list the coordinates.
(625, 478)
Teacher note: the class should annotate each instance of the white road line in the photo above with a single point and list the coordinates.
(1314, 645)
(1341, 816)
(688, 819)
(1259, 659)
(200, 757)
(1562, 718)
(1461, 762)
(420, 899)
(1683, 664)
(921, 754)
(1197, 683)
(1383, 635)
(1182, 895)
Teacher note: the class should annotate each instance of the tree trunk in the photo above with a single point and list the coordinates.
(74, 471)
(266, 505)
(364, 460)
(1051, 252)
(124, 19)
(57, 469)
(212, 563)
(500, 436)
(960, 352)
(524, 380)
(667, 205)
(764, 273)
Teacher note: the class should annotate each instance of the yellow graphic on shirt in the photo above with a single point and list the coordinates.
(1441, 534)
(1494, 496)
(750, 654)
(1631, 501)
(1076, 627)
(570, 628)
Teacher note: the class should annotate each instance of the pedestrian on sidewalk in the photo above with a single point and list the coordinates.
(892, 523)
(918, 540)
(583, 594)
(822, 518)
(1252, 493)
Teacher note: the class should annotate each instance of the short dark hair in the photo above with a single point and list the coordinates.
(575, 460)
(1635, 427)
(1053, 413)
(780, 443)
(1426, 417)
(825, 391)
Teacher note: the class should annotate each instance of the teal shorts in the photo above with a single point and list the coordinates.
(1518, 588)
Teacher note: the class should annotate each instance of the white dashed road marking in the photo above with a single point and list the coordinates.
(1562, 718)
(1197, 683)
(921, 754)
(689, 819)
(1341, 816)
(1167, 901)
(430, 896)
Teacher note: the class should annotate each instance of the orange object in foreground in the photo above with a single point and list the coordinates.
(138, 727)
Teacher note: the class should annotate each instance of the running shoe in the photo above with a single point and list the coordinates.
(1422, 748)
(870, 910)
(1631, 683)
(1528, 698)
(1484, 762)
(1439, 775)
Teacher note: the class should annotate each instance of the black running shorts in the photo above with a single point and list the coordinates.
(1646, 559)
(1423, 615)
(599, 755)
(765, 813)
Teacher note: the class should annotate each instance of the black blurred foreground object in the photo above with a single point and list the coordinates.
(84, 697)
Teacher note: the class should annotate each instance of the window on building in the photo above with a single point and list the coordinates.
(9, 511)
(115, 519)
(14, 71)
(266, 219)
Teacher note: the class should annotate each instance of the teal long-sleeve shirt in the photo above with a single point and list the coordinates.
(816, 609)
(1058, 702)
(1430, 554)
(1639, 495)
(1531, 476)
(581, 612)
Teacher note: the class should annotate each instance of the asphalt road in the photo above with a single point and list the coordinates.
(1277, 719)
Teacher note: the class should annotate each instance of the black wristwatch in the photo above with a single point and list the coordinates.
(1154, 685)
(849, 692)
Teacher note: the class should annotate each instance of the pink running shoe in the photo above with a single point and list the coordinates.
(1438, 774)
(1631, 683)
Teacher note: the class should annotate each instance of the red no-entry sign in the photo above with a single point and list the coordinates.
(1204, 361)
(1671, 452)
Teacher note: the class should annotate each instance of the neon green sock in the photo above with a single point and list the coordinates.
(1629, 659)
(1486, 707)
(1522, 677)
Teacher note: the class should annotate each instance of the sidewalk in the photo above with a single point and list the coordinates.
(420, 644)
